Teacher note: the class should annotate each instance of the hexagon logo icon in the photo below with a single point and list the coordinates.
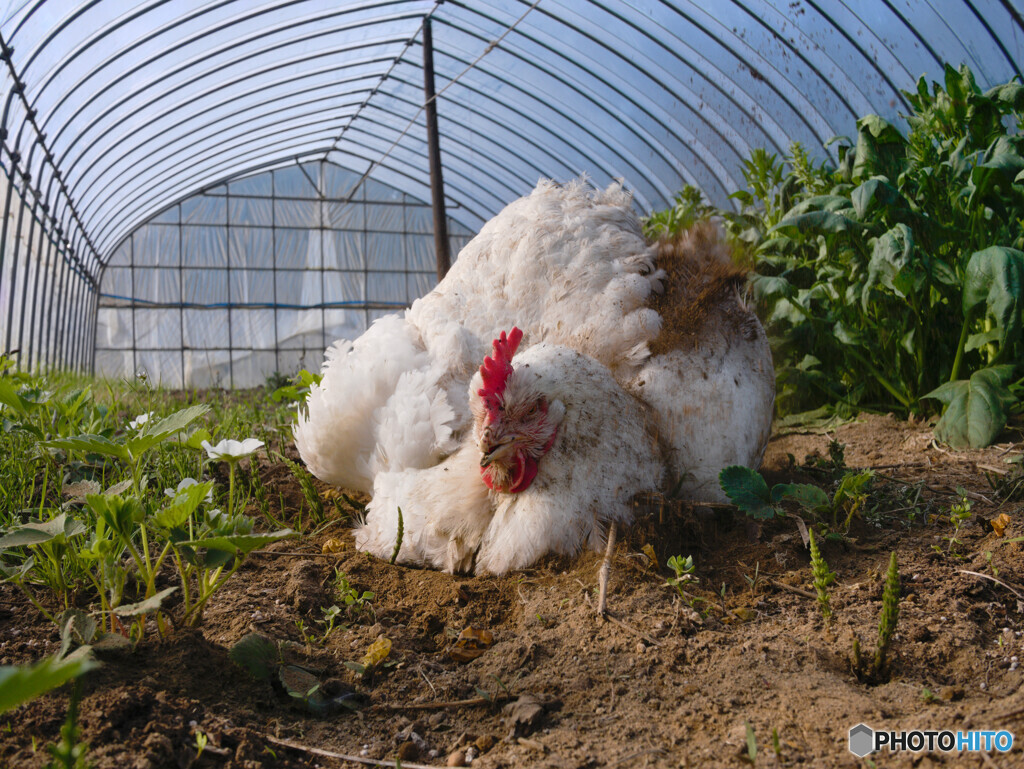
(862, 740)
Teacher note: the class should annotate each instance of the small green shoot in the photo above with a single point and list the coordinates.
(357, 604)
(398, 539)
(201, 741)
(309, 492)
(959, 512)
(823, 577)
(886, 628)
(751, 744)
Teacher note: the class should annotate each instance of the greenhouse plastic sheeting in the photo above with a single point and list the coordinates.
(260, 275)
(118, 114)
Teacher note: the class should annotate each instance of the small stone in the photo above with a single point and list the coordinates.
(456, 758)
(408, 751)
(485, 743)
(471, 754)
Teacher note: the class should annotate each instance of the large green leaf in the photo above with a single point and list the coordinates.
(1010, 94)
(21, 683)
(747, 490)
(892, 254)
(817, 222)
(832, 203)
(165, 428)
(806, 495)
(60, 528)
(10, 398)
(976, 409)
(91, 444)
(182, 506)
(993, 177)
(147, 606)
(994, 280)
(872, 194)
(242, 543)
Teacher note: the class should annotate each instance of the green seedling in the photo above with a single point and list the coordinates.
(309, 492)
(822, 576)
(749, 492)
(959, 513)
(357, 604)
(398, 538)
(886, 628)
(201, 742)
(685, 574)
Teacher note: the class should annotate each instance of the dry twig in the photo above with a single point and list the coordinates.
(343, 757)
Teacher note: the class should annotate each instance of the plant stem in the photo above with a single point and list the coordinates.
(960, 350)
(28, 593)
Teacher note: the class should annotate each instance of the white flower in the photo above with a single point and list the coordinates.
(232, 451)
(183, 484)
(140, 420)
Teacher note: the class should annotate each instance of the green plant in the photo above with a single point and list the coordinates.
(894, 279)
(356, 604)
(887, 622)
(751, 743)
(684, 570)
(822, 577)
(309, 492)
(201, 741)
(294, 390)
(21, 683)
(69, 752)
(959, 512)
(749, 492)
(398, 538)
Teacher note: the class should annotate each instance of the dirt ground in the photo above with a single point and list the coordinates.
(657, 685)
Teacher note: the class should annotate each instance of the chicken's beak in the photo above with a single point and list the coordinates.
(497, 452)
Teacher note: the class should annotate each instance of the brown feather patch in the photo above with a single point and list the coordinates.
(702, 283)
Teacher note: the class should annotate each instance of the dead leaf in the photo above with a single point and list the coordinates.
(999, 524)
(377, 653)
(649, 552)
(77, 492)
(471, 643)
(333, 545)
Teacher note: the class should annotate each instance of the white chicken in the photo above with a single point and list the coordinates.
(556, 453)
(571, 266)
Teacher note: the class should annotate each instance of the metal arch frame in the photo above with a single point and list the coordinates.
(737, 53)
(677, 88)
(229, 142)
(597, 72)
(298, 60)
(624, 154)
(537, 139)
(190, 66)
(999, 43)
(483, 116)
(123, 157)
(200, 180)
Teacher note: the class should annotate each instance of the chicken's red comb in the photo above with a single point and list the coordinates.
(495, 371)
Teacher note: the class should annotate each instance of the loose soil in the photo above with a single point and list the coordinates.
(656, 685)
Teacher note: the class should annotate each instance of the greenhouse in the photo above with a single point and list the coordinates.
(511, 383)
(212, 192)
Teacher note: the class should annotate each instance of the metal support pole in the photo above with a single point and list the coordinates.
(441, 248)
